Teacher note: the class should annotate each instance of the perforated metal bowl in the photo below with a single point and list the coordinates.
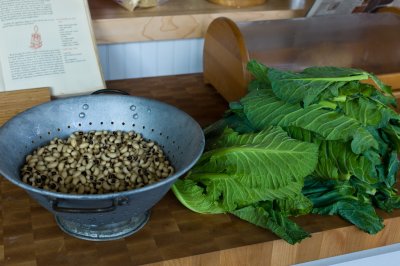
(105, 216)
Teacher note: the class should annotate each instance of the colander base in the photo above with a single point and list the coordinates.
(106, 232)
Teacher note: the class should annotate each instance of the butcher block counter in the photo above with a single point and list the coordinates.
(174, 235)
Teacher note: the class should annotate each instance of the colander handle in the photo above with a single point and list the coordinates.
(112, 207)
(110, 91)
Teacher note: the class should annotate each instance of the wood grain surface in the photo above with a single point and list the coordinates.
(14, 102)
(238, 3)
(225, 58)
(178, 19)
(174, 235)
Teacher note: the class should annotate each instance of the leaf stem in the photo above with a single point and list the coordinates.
(335, 79)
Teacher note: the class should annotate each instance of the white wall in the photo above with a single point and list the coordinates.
(148, 59)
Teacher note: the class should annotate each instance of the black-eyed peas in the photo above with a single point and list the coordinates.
(96, 162)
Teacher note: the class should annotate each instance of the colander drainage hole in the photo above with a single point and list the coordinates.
(133, 125)
(144, 127)
(79, 124)
(160, 133)
(123, 123)
(167, 137)
(152, 130)
(90, 123)
(40, 137)
(33, 141)
(68, 126)
(48, 133)
(112, 123)
(58, 129)
(101, 123)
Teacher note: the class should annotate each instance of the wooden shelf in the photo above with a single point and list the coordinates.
(178, 19)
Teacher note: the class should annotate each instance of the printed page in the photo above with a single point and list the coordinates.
(48, 43)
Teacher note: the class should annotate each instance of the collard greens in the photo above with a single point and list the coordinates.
(319, 141)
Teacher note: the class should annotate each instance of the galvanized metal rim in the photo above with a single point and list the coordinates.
(127, 193)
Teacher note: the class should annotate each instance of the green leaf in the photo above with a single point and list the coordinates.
(263, 109)
(363, 110)
(256, 85)
(363, 141)
(295, 88)
(361, 215)
(392, 132)
(355, 88)
(337, 161)
(388, 100)
(393, 167)
(237, 120)
(385, 88)
(335, 73)
(192, 197)
(314, 185)
(368, 112)
(383, 146)
(230, 192)
(302, 134)
(324, 193)
(269, 150)
(264, 216)
(244, 169)
(387, 198)
(233, 118)
(328, 124)
(259, 71)
(300, 205)
(363, 187)
(308, 85)
(349, 199)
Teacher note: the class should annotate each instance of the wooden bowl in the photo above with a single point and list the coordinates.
(238, 3)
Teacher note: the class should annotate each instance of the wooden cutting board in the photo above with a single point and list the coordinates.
(174, 235)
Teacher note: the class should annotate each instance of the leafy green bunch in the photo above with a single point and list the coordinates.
(318, 141)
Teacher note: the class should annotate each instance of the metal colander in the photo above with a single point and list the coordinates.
(103, 216)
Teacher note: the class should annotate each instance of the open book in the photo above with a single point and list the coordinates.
(48, 43)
